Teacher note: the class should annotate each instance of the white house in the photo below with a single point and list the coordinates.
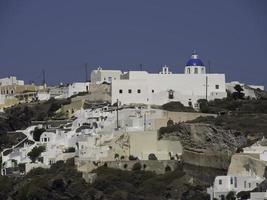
(258, 195)
(66, 91)
(43, 95)
(225, 184)
(100, 76)
(11, 80)
(141, 87)
(75, 88)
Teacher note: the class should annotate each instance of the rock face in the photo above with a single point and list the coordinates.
(247, 164)
(205, 145)
(201, 137)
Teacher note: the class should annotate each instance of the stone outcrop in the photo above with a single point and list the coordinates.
(203, 138)
(206, 145)
(247, 164)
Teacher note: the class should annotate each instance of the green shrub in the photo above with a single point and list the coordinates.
(36, 152)
(176, 106)
(137, 167)
(37, 133)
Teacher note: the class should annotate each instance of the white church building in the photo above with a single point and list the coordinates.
(141, 87)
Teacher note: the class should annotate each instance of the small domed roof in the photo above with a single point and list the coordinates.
(194, 60)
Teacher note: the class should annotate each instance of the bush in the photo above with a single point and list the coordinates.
(230, 196)
(131, 157)
(170, 122)
(137, 167)
(152, 156)
(168, 168)
(37, 133)
(169, 129)
(35, 153)
(177, 106)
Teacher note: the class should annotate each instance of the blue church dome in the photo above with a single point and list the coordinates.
(194, 60)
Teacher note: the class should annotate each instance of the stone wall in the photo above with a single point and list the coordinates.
(177, 117)
(157, 166)
(205, 159)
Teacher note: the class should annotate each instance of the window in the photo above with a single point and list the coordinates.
(120, 91)
(235, 182)
(217, 87)
(196, 71)
(220, 181)
(138, 91)
(171, 94)
(153, 91)
(190, 103)
(245, 184)
(231, 181)
(129, 91)
(188, 70)
(202, 70)
(249, 185)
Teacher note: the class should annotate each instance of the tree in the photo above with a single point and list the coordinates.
(170, 122)
(116, 156)
(131, 157)
(239, 92)
(37, 132)
(137, 166)
(168, 168)
(152, 156)
(36, 152)
(230, 196)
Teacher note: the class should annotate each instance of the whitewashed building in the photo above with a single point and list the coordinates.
(258, 195)
(11, 80)
(99, 75)
(141, 87)
(77, 87)
(231, 183)
(66, 91)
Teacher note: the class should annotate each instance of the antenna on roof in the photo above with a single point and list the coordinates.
(86, 70)
(43, 74)
(209, 65)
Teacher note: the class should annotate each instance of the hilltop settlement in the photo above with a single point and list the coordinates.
(134, 135)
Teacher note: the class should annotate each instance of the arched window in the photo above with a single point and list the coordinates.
(188, 70)
(196, 71)
(202, 70)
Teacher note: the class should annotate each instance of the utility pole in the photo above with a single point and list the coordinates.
(207, 88)
(117, 113)
(86, 75)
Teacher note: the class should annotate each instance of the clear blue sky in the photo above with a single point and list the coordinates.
(61, 35)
